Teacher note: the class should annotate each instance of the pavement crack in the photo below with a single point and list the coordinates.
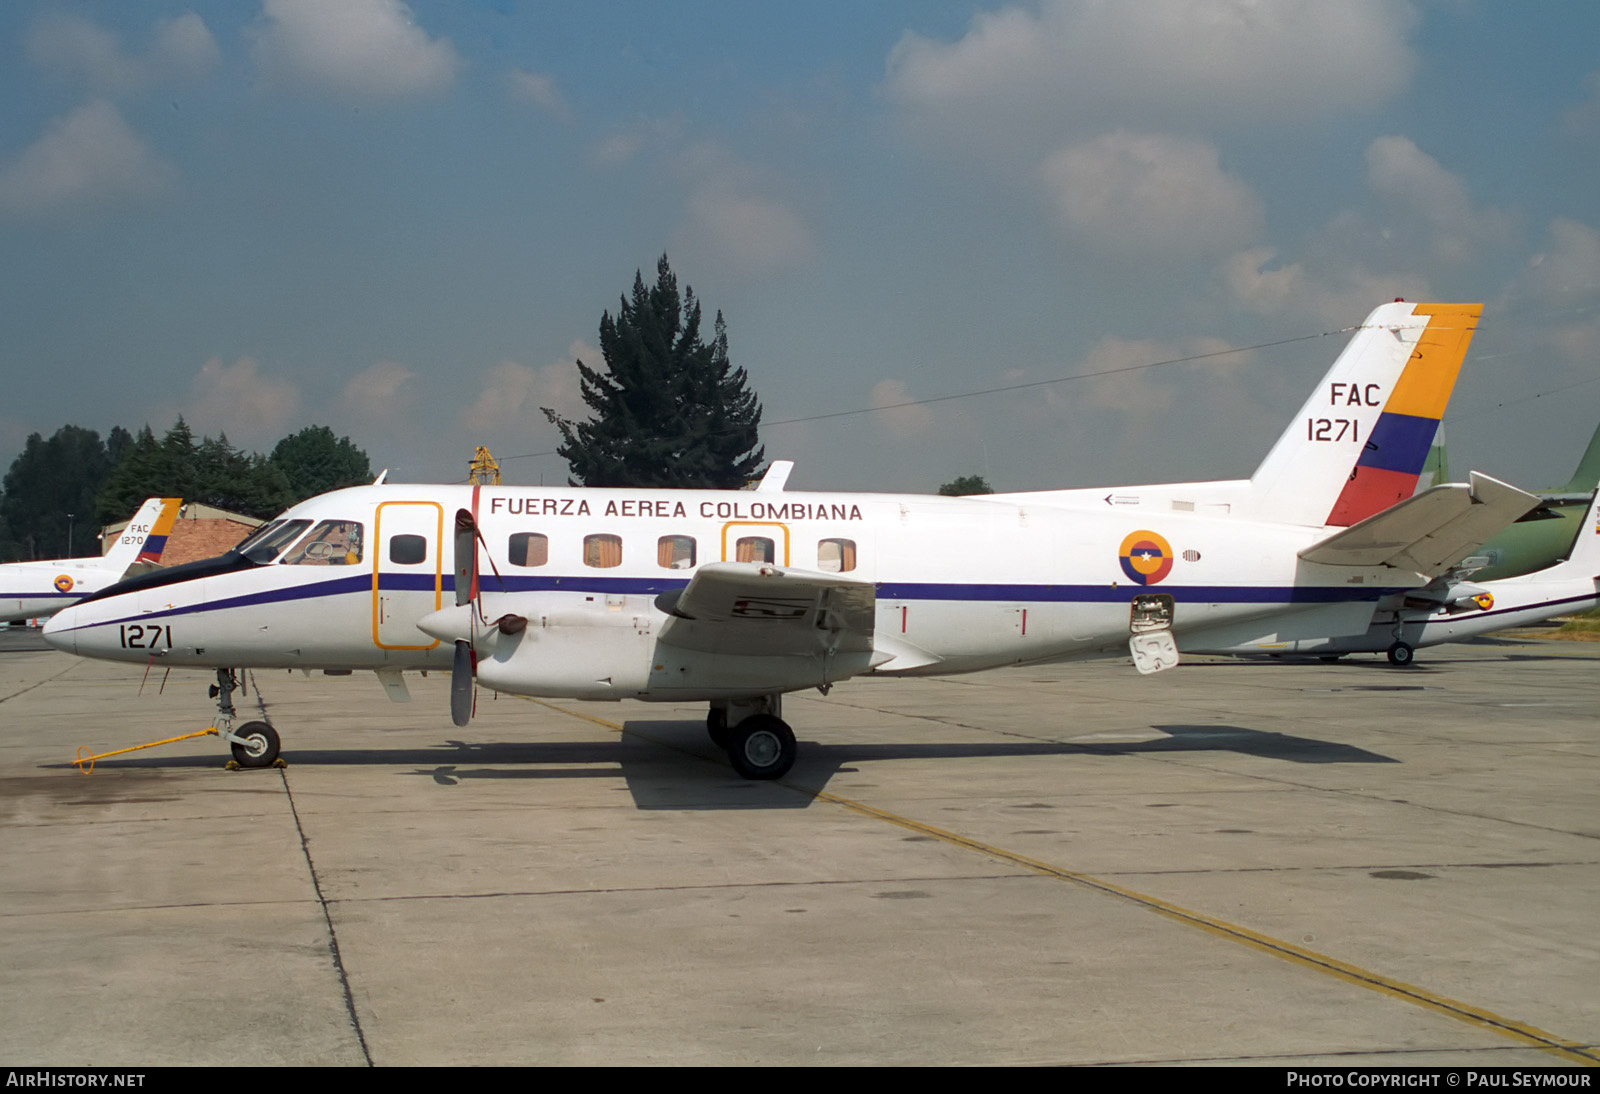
(327, 917)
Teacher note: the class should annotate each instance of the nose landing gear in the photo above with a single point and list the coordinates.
(254, 744)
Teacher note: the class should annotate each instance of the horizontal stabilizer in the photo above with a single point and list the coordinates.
(1428, 533)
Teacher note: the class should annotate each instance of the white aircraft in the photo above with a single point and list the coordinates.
(735, 598)
(29, 590)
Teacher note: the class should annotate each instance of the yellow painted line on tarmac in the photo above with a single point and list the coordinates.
(1577, 1052)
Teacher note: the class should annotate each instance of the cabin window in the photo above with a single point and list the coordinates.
(836, 556)
(263, 546)
(408, 550)
(529, 549)
(675, 552)
(602, 551)
(755, 549)
(330, 543)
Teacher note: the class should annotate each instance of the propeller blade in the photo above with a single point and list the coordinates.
(461, 684)
(466, 557)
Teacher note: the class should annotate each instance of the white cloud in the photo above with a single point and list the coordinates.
(513, 395)
(1583, 120)
(364, 48)
(379, 392)
(1025, 76)
(1560, 287)
(1334, 298)
(540, 90)
(1135, 389)
(750, 232)
(1146, 196)
(87, 157)
(238, 400)
(80, 49)
(901, 422)
(737, 213)
(1569, 265)
(1413, 181)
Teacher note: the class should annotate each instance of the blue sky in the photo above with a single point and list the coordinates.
(404, 221)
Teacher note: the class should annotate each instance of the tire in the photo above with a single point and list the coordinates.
(261, 749)
(1400, 655)
(762, 747)
(717, 727)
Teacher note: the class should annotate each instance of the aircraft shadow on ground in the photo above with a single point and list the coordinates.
(654, 759)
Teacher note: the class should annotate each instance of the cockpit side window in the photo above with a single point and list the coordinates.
(264, 546)
(330, 543)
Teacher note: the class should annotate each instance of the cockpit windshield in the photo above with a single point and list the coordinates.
(262, 547)
(330, 543)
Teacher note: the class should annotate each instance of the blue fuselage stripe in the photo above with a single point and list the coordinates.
(361, 583)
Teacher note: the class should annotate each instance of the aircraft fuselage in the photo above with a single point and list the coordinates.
(960, 584)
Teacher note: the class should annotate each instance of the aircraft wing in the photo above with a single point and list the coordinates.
(1430, 532)
(756, 609)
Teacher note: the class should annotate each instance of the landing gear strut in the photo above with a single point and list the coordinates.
(759, 743)
(254, 744)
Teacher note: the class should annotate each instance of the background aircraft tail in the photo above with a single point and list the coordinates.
(1583, 560)
(145, 537)
(1588, 472)
(1360, 442)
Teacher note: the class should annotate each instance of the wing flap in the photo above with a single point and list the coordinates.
(1428, 533)
(753, 609)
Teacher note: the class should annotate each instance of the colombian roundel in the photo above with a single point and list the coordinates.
(1146, 557)
(64, 583)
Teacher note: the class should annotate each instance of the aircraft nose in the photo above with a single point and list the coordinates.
(60, 630)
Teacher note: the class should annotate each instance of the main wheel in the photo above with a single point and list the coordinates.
(717, 727)
(1400, 654)
(762, 747)
(260, 747)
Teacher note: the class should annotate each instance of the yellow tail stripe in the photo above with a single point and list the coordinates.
(1424, 387)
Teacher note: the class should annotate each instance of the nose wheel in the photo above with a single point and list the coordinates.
(254, 744)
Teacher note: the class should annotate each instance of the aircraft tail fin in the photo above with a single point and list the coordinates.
(1360, 443)
(145, 537)
(1588, 473)
(1584, 557)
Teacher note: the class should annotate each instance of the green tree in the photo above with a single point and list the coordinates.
(211, 471)
(669, 409)
(314, 461)
(239, 482)
(966, 486)
(48, 507)
(135, 470)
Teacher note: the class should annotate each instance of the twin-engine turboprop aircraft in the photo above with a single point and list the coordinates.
(734, 598)
(29, 590)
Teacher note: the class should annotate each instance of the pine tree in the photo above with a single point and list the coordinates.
(48, 481)
(314, 461)
(669, 409)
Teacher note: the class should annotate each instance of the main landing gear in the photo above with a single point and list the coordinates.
(759, 743)
(254, 744)
(1400, 655)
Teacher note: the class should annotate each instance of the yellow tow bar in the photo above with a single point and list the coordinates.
(85, 759)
